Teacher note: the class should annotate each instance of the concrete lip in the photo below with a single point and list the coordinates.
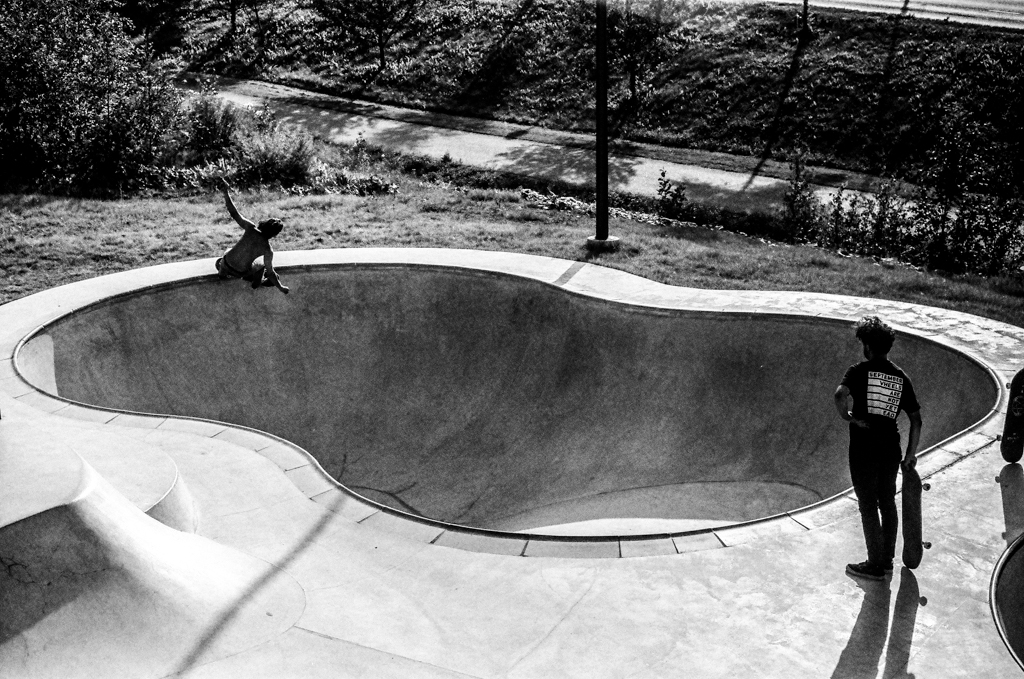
(1006, 590)
(484, 401)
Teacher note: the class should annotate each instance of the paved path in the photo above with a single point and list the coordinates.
(999, 13)
(530, 151)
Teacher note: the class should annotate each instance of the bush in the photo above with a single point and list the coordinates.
(282, 154)
(207, 129)
(672, 202)
(979, 234)
(248, 146)
(83, 109)
(802, 211)
(983, 234)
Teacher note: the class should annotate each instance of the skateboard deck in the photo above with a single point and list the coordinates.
(1011, 487)
(913, 545)
(1012, 443)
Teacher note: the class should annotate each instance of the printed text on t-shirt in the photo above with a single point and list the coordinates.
(884, 393)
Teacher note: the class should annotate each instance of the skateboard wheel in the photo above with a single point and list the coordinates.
(926, 486)
(926, 545)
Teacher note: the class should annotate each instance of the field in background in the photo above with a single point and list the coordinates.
(882, 94)
(45, 242)
(164, 161)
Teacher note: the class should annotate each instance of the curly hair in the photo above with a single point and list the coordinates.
(873, 331)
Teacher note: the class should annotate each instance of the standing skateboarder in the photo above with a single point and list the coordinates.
(880, 390)
(251, 258)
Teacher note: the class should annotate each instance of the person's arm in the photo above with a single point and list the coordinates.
(242, 221)
(268, 265)
(842, 401)
(913, 439)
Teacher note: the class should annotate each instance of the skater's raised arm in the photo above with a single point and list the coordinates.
(242, 221)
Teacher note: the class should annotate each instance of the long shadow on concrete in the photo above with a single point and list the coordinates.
(862, 655)
(577, 166)
(273, 570)
(904, 617)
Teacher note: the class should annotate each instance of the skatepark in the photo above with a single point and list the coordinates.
(464, 463)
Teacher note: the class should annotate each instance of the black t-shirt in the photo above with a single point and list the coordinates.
(880, 391)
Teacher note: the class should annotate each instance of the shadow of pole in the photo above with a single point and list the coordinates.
(571, 165)
(804, 38)
(489, 82)
(885, 99)
(860, 657)
(273, 570)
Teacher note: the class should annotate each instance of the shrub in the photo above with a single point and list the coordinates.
(82, 108)
(282, 154)
(208, 128)
(983, 234)
(802, 210)
(672, 201)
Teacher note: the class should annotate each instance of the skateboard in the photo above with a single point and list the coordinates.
(1012, 443)
(1011, 487)
(913, 545)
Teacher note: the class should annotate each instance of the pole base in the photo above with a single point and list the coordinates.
(611, 244)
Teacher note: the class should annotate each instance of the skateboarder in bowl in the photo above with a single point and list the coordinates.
(251, 258)
(880, 390)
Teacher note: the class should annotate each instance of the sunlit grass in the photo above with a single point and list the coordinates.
(45, 242)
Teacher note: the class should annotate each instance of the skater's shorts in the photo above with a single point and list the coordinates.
(227, 271)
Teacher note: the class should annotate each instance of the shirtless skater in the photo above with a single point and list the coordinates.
(251, 258)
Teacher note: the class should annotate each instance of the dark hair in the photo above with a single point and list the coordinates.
(872, 331)
(270, 227)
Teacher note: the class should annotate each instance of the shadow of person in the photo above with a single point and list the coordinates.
(860, 658)
(1011, 486)
(904, 617)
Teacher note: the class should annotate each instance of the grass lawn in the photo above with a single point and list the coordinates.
(45, 242)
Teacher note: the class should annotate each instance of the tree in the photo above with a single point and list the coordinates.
(82, 108)
(374, 24)
(161, 22)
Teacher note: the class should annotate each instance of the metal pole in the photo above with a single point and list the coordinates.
(602, 120)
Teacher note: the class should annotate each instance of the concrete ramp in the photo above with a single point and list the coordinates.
(90, 581)
(500, 402)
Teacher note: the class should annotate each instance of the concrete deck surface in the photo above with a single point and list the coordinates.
(273, 570)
